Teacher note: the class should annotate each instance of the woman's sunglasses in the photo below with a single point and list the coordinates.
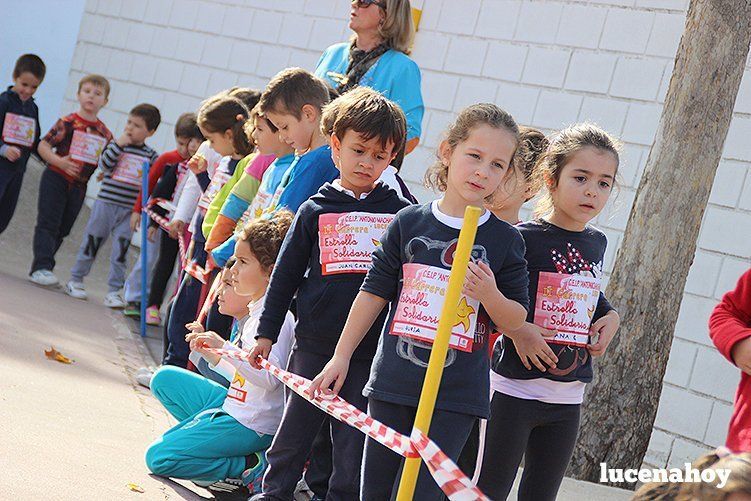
(361, 4)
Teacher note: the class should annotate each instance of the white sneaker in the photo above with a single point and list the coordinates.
(76, 290)
(114, 300)
(44, 277)
(143, 377)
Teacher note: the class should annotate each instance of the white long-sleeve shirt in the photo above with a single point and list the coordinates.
(191, 189)
(255, 398)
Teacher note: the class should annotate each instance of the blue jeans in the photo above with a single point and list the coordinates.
(207, 444)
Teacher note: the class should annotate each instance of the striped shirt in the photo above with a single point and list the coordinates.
(122, 169)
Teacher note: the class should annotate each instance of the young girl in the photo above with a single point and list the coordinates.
(410, 269)
(540, 374)
(231, 304)
(236, 208)
(505, 205)
(221, 120)
(223, 433)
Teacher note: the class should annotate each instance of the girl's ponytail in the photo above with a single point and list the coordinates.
(224, 112)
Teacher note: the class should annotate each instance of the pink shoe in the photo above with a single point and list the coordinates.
(152, 315)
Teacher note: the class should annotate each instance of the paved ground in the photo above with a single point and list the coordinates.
(80, 431)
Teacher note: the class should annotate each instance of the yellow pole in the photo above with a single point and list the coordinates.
(440, 346)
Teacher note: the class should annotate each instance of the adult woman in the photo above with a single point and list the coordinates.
(376, 56)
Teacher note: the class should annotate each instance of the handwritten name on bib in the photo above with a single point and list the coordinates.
(566, 303)
(347, 241)
(420, 304)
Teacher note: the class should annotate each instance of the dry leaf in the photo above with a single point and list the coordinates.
(53, 354)
(136, 488)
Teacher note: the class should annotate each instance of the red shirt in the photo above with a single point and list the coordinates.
(156, 171)
(730, 323)
(60, 137)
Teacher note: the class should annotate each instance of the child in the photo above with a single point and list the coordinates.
(221, 120)
(233, 305)
(237, 204)
(223, 433)
(730, 330)
(77, 139)
(541, 370)
(121, 162)
(324, 260)
(167, 188)
(411, 267)
(293, 101)
(505, 205)
(185, 130)
(19, 123)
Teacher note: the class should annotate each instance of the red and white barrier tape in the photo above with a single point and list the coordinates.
(447, 475)
(190, 267)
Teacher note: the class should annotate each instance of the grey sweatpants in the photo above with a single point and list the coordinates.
(133, 283)
(107, 219)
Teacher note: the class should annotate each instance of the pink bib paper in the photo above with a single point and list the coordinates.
(566, 303)
(347, 241)
(129, 169)
(420, 304)
(86, 147)
(19, 130)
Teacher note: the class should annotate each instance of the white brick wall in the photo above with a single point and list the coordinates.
(550, 63)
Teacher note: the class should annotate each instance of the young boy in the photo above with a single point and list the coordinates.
(293, 103)
(71, 150)
(19, 123)
(186, 129)
(121, 161)
(323, 261)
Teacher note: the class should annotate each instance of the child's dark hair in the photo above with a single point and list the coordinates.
(97, 80)
(250, 125)
(248, 96)
(230, 262)
(30, 63)
(368, 113)
(224, 112)
(149, 113)
(187, 127)
(562, 146)
(265, 237)
(470, 117)
(290, 90)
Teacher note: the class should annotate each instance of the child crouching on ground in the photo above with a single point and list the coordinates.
(223, 433)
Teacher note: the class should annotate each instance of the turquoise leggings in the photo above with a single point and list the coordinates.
(207, 444)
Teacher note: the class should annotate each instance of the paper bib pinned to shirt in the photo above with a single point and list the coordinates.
(420, 304)
(347, 240)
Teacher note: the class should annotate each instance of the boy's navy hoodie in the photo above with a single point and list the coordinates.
(323, 301)
(11, 103)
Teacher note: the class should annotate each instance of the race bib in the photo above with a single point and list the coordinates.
(86, 147)
(567, 304)
(236, 390)
(420, 304)
(255, 209)
(129, 169)
(347, 241)
(19, 130)
(217, 183)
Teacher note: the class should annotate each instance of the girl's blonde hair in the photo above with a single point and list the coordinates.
(564, 144)
(469, 118)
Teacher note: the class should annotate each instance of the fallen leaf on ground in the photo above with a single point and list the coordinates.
(53, 354)
(136, 488)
